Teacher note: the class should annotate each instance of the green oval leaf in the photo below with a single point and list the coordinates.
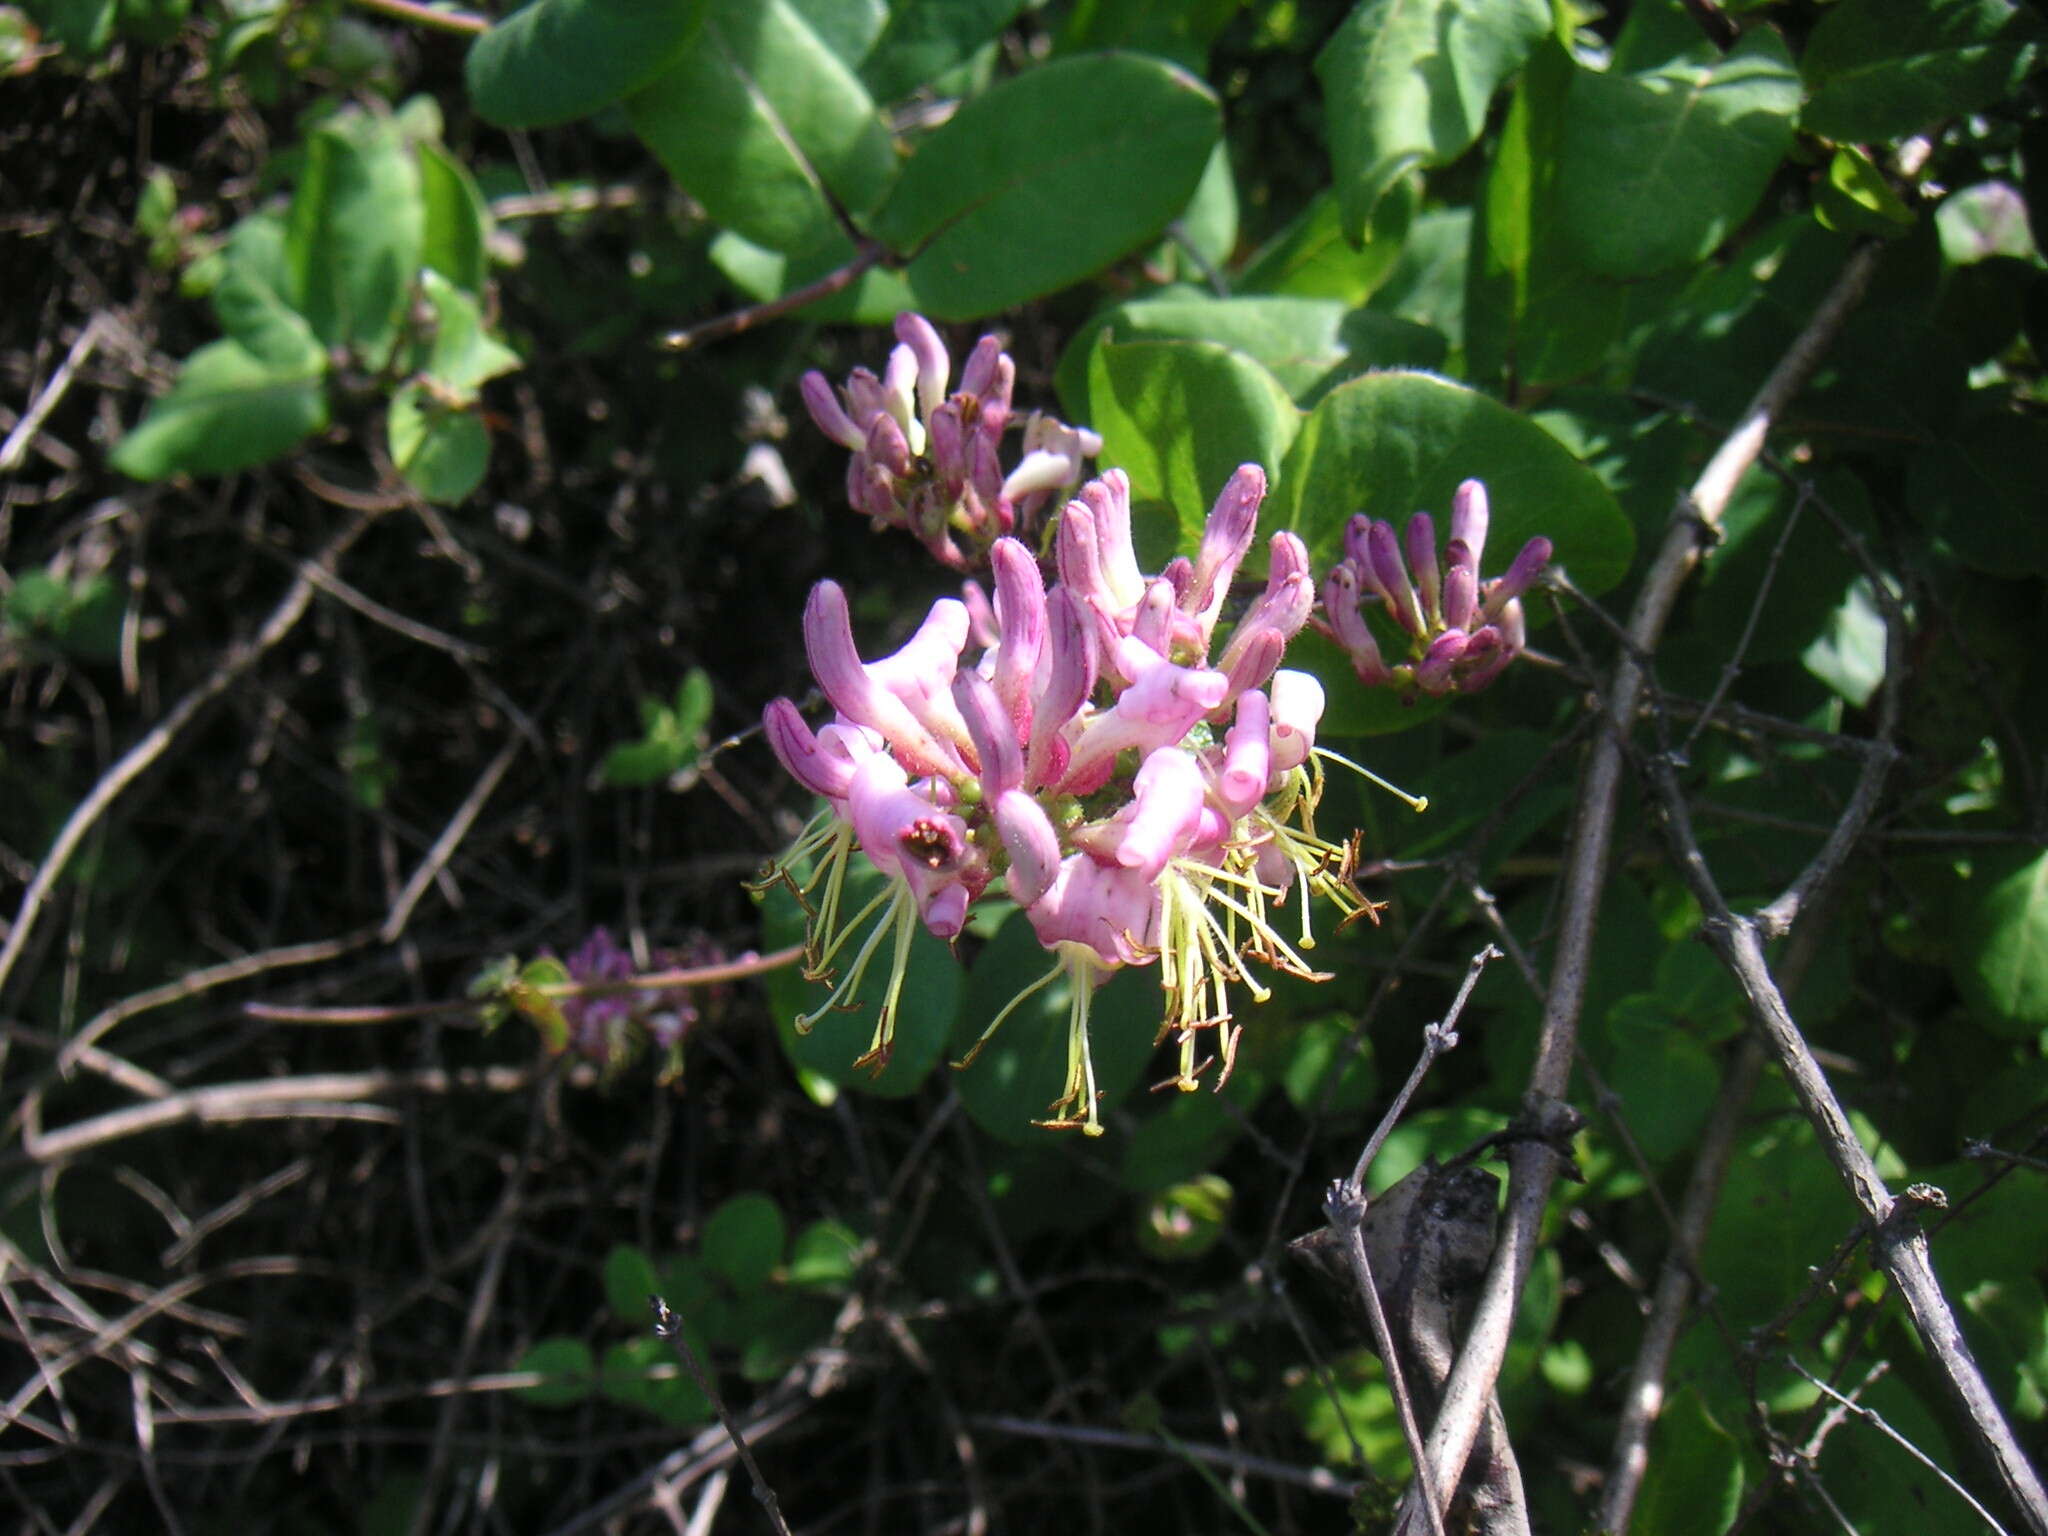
(1407, 83)
(743, 1240)
(1661, 162)
(1048, 178)
(568, 1369)
(2001, 946)
(758, 119)
(629, 1279)
(562, 59)
(1881, 69)
(458, 221)
(228, 410)
(1180, 416)
(355, 231)
(1391, 444)
(441, 450)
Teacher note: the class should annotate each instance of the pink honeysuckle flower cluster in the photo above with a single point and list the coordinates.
(1142, 801)
(930, 461)
(1461, 631)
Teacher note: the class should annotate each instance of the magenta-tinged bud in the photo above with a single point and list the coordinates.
(949, 448)
(1020, 625)
(899, 393)
(1226, 539)
(1070, 679)
(822, 401)
(1514, 632)
(865, 397)
(1166, 809)
(1076, 556)
(1247, 755)
(1297, 708)
(982, 377)
(1357, 534)
(1392, 578)
(1422, 562)
(800, 754)
(1528, 566)
(888, 447)
(1487, 656)
(1109, 498)
(836, 664)
(993, 735)
(1461, 592)
(1348, 626)
(1028, 838)
(933, 365)
(1469, 518)
(1433, 672)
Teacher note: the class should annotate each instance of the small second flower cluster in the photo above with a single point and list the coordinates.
(1142, 799)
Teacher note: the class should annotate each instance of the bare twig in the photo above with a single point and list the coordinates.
(867, 253)
(1437, 1039)
(670, 1327)
(15, 449)
(1532, 1164)
(137, 760)
(1314, 1479)
(450, 839)
(1878, 1422)
(435, 18)
(327, 1095)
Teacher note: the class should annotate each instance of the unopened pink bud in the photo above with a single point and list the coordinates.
(1392, 578)
(1469, 517)
(800, 754)
(1529, 564)
(1226, 539)
(822, 401)
(1422, 562)
(933, 365)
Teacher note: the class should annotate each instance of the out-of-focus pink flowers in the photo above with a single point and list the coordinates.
(613, 1019)
(1143, 803)
(930, 460)
(1460, 631)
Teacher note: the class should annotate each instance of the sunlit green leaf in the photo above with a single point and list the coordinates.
(1881, 69)
(560, 59)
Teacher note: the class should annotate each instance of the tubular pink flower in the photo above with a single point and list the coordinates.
(844, 679)
(1470, 515)
(988, 375)
(1020, 629)
(920, 673)
(933, 365)
(1226, 539)
(802, 757)
(865, 397)
(1038, 471)
(990, 729)
(1297, 709)
(1028, 838)
(1152, 624)
(1161, 705)
(1165, 814)
(1069, 680)
(822, 401)
(983, 628)
(887, 447)
(1251, 659)
(1247, 755)
(1110, 910)
(909, 838)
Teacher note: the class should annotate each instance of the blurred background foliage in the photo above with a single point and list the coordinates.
(349, 481)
